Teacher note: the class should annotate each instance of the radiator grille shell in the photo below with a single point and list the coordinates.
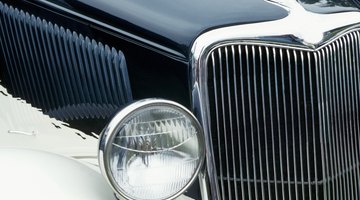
(283, 120)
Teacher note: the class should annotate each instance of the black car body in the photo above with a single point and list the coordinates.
(274, 84)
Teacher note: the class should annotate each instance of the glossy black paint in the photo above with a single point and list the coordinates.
(173, 24)
(176, 23)
(160, 32)
(156, 35)
(152, 75)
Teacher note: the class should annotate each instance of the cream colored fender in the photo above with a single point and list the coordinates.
(23, 126)
(38, 175)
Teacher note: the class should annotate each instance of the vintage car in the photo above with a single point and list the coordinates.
(165, 99)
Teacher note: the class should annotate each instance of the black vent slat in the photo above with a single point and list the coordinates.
(64, 73)
(285, 121)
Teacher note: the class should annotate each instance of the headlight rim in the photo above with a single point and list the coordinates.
(114, 126)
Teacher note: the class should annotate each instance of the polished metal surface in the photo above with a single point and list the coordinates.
(280, 106)
(314, 154)
(112, 129)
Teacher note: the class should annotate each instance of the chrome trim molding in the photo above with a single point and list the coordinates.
(204, 185)
(296, 25)
(325, 28)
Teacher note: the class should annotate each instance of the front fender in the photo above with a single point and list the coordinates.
(31, 174)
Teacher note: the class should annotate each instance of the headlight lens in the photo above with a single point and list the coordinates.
(152, 149)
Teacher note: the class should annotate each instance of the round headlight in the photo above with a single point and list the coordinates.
(152, 149)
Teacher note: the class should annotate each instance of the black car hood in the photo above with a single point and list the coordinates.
(175, 24)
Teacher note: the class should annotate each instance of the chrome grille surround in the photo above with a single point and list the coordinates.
(248, 38)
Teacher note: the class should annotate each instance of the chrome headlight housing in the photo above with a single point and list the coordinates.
(152, 149)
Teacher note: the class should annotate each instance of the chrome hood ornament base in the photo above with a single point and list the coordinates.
(310, 28)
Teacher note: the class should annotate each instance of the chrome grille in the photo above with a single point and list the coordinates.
(284, 121)
(66, 74)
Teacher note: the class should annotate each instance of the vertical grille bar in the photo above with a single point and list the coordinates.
(307, 137)
(358, 102)
(244, 120)
(234, 166)
(293, 63)
(351, 114)
(300, 134)
(256, 64)
(217, 128)
(333, 125)
(337, 104)
(291, 117)
(267, 163)
(349, 111)
(287, 148)
(224, 120)
(235, 75)
(273, 146)
(356, 76)
(343, 117)
(330, 122)
(313, 160)
(278, 123)
(252, 143)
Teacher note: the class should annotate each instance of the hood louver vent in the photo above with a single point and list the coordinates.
(67, 75)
